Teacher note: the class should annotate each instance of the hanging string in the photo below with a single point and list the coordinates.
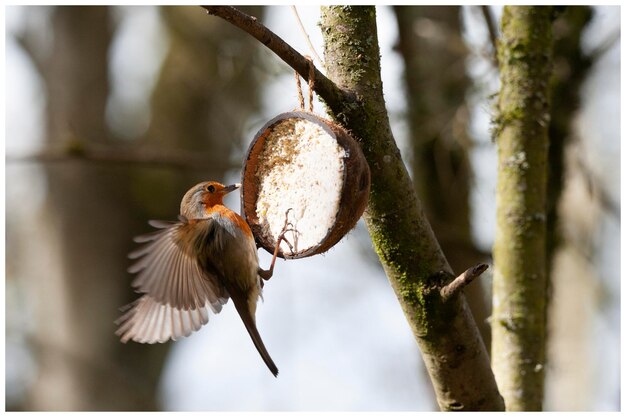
(299, 87)
(311, 82)
(306, 35)
(311, 85)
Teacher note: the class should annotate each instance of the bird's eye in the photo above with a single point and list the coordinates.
(210, 188)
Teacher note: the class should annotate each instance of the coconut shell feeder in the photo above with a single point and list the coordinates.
(308, 164)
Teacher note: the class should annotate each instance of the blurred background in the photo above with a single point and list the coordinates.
(112, 113)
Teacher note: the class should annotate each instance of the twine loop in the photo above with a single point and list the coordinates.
(311, 85)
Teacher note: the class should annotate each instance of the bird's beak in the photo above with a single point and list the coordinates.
(230, 188)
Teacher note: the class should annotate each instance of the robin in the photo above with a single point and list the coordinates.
(195, 264)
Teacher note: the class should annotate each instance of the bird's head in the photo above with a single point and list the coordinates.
(198, 201)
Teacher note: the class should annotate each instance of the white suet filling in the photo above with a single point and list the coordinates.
(300, 167)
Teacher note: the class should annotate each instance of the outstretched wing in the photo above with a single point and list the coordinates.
(150, 321)
(178, 292)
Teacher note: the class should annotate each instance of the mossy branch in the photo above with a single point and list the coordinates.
(453, 351)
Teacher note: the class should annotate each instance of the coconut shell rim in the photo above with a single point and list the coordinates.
(338, 229)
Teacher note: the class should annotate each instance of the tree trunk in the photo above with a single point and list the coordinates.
(568, 324)
(453, 351)
(570, 70)
(77, 283)
(519, 289)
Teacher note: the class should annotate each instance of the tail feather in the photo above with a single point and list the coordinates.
(248, 320)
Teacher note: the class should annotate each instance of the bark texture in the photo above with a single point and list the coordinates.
(452, 348)
(521, 130)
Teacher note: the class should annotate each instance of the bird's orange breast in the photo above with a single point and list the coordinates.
(236, 219)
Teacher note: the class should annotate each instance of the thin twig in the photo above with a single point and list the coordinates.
(462, 281)
(27, 43)
(306, 36)
(324, 87)
(605, 45)
(493, 31)
(596, 188)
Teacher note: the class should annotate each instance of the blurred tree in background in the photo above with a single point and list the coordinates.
(203, 96)
(438, 117)
(84, 226)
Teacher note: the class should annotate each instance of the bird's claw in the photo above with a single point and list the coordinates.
(286, 229)
(282, 237)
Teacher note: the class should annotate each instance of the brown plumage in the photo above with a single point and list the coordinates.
(190, 266)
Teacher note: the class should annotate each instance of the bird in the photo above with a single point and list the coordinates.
(193, 265)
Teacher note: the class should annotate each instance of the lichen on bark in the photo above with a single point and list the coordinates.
(518, 324)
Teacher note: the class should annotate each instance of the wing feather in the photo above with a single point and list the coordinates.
(149, 321)
(177, 291)
(168, 270)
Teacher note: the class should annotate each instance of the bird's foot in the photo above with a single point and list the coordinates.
(287, 227)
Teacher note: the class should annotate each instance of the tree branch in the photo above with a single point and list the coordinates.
(176, 159)
(462, 281)
(324, 87)
(27, 43)
(493, 31)
(596, 188)
(605, 46)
